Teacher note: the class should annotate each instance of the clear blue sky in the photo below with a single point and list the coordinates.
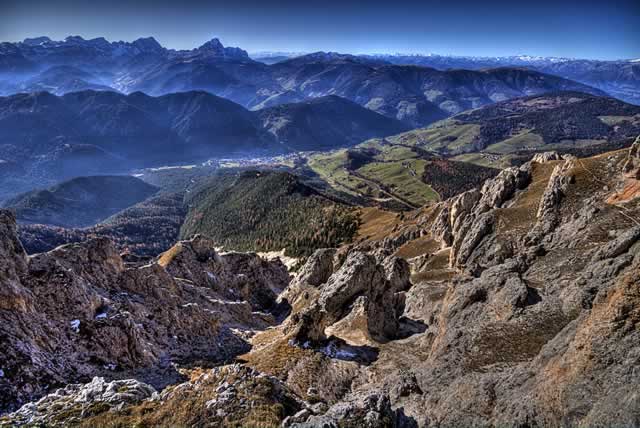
(587, 29)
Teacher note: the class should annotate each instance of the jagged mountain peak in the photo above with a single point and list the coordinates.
(35, 41)
(147, 44)
(214, 47)
(213, 44)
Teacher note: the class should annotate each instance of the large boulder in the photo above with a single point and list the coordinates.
(363, 289)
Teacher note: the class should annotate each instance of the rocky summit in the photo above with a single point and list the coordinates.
(512, 304)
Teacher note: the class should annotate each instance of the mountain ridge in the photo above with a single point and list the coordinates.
(417, 96)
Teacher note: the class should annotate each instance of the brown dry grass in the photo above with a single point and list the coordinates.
(418, 247)
(187, 407)
(522, 214)
(169, 255)
(377, 223)
(436, 269)
(275, 358)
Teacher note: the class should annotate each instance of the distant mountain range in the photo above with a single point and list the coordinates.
(88, 107)
(414, 95)
(45, 137)
(619, 78)
(325, 123)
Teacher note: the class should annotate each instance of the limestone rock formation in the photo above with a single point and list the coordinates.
(372, 411)
(75, 402)
(231, 395)
(546, 157)
(233, 275)
(78, 312)
(472, 214)
(360, 285)
(632, 164)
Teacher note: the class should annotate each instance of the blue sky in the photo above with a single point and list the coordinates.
(586, 29)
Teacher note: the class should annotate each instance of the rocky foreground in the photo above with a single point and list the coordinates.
(516, 304)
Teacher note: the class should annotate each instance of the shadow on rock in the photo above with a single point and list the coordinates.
(408, 327)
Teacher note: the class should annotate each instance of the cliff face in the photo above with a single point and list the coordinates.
(516, 304)
(537, 319)
(80, 311)
(527, 290)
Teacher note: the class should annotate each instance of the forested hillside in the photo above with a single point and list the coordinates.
(267, 210)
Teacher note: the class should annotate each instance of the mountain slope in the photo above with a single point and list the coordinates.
(511, 304)
(566, 121)
(79, 202)
(51, 138)
(266, 211)
(620, 79)
(142, 128)
(325, 123)
(415, 95)
(396, 176)
(145, 229)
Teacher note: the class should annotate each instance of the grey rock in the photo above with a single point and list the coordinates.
(318, 268)
(546, 157)
(631, 166)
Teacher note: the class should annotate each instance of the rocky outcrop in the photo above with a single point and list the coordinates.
(73, 403)
(233, 275)
(618, 246)
(498, 190)
(318, 268)
(545, 333)
(472, 213)
(372, 411)
(546, 157)
(368, 289)
(78, 312)
(441, 227)
(559, 182)
(631, 166)
(14, 264)
(231, 395)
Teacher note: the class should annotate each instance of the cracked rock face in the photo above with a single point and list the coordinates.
(360, 279)
(234, 275)
(465, 220)
(78, 312)
(558, 185)
(632, 164)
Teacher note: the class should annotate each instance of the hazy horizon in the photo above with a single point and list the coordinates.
(571, 29)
